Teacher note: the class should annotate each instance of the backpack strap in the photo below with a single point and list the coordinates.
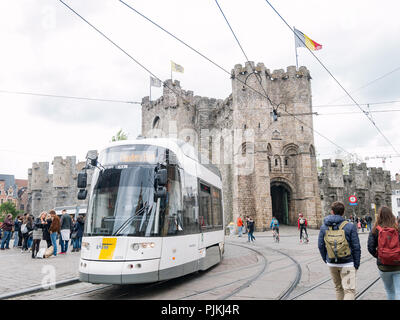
(341, 226)
(379, 228)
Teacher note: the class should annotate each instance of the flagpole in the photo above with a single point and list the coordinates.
(295, 47)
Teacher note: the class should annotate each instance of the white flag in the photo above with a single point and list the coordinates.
(154, 82)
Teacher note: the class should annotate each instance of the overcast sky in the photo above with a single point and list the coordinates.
(46, 49)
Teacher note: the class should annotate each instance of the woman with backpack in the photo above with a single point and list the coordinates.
(383, 244)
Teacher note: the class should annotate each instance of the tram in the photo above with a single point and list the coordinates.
(155, 213)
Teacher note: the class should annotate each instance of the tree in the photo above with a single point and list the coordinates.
(120, 136)
(6, 208)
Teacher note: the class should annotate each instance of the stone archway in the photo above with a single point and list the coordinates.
(281, 199)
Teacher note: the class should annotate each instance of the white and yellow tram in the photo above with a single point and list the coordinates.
(154, 213)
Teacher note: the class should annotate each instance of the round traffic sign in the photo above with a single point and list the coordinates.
(353, 199)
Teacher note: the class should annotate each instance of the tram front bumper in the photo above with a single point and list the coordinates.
(119, 272)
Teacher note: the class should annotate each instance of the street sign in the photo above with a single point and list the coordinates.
(353, 200)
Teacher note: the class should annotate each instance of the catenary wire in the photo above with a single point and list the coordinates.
(347, 93)
(202, 55)
(67, 97)
(117, 46)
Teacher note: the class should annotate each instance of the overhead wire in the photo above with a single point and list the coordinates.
(333, 77)
(217, 65)
(67, 97)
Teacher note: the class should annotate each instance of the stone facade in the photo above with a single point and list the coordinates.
(396, 195)
(48, 191)
(268, 167)
(369, 185)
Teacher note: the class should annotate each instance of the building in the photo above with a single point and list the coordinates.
(8, 189)
(266, 156)
(371, 186)
(396, 195)
(48, 191)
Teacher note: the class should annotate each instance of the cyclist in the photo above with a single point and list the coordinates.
(275, 226)
(302, 225)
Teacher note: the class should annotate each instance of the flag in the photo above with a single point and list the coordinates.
(301, 40)
(176, 67)
(154, 82)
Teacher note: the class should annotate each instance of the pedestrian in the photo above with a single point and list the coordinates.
(363, 224)
(30, 238)
(274, 225)
(302, 225)
(66, 227)
(17, 231)
(78, 230)
(37, 234)
(26, 229)
(343, 261)
(240, 226)
(46, 232)
(368, 219)
(54, 230)
(7, 227)
(383, 244)
(250, 230)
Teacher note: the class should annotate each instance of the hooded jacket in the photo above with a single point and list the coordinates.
(351, 235)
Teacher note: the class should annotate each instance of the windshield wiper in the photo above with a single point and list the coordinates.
(126, 223)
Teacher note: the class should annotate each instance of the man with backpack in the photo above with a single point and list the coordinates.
(302, 225)
(339, 246)
(384, 244)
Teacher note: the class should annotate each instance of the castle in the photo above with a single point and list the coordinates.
(266, 155)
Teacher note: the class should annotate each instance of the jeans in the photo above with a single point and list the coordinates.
(240, 230)
(16, 239)
(250, 236)
(53, 237)
(369, 226)
(391, 282)
(64, 245)
(78, 243)
(6, 239)
(301, 232)
(30, 241)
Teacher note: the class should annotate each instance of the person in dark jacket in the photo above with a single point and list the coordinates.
(17, 232)
(343, 271)
(7, 226)
(250, 228)
(79, 224)
(46, 232)
(29, 225)
(390, 274)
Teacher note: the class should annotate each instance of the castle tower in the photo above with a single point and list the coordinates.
(268, 167)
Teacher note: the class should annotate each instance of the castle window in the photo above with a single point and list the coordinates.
(276, 162)
(156, 122)
(286, 161)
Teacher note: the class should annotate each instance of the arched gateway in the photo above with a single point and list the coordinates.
(282, 204)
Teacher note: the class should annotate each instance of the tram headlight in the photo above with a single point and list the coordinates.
(148, 245)
(135, 246)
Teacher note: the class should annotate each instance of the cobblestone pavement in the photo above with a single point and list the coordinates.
(20, 271)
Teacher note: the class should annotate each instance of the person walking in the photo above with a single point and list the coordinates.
(54, 230)
(343, 261)
(45, 229)
(17, 231)
(37, 234)
(7, 227)
(384, 245)
(250, 230)
(368, 219)
(363, 223)
(66, 227)
(79, 226)
(240, 226)
(302, 225)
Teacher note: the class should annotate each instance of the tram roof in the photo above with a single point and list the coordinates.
(176, 145)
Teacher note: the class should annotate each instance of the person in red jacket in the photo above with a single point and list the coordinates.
(302, 225)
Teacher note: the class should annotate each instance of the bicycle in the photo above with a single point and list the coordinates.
(275, 236)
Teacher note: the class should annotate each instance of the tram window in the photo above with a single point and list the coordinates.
(191, 207)
(217, 208)
(205, 207)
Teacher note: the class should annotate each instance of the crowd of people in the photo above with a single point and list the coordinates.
(29, 231)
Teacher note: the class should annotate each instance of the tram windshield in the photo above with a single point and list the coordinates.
(122, 203)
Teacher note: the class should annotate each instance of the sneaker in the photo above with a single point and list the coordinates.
(62, 253)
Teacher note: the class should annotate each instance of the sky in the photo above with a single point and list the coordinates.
(47, 49)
